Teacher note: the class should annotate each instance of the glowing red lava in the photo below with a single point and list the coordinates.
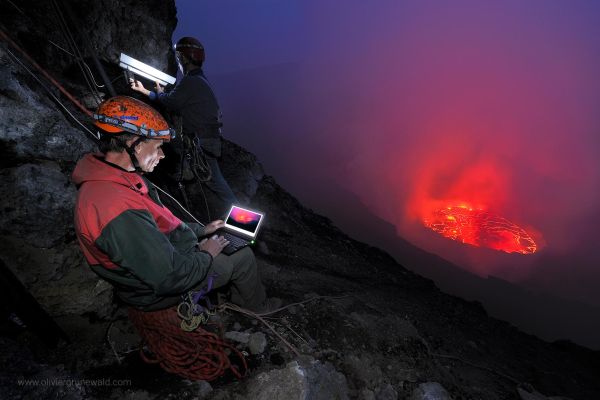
(478, 227)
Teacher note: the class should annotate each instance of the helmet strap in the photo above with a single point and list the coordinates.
(131, 151)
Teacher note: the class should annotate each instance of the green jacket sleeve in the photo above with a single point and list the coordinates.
(197, 228)
(133, 241)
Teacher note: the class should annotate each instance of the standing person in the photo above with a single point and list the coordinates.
(130, 239)
(194, 100)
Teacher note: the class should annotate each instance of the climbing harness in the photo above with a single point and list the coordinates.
(193, 164)
(191, 312)
(192, 160)
(198, 162)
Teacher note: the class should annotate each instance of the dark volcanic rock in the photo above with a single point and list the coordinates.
(30, 126)
(42, 199)
(307, 379)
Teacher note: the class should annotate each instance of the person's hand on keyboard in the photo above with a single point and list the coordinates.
(214, 245)
(213, 226)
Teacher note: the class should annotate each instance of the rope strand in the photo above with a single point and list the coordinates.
(16, 59)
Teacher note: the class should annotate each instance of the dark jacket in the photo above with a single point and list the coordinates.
(195, 101)
(130, 239)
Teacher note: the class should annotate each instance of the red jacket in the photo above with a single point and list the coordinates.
(130, 239)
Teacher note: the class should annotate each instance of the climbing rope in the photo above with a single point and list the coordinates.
(75, 53)
(195, 355)
(35, 77)
(6, 38)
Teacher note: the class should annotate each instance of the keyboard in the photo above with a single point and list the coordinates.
(235, 243)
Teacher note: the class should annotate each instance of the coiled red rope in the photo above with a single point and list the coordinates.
(196, 355)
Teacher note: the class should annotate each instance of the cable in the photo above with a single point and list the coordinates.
(61, 48)
(95, 94)
(68, 52)
(83, 62)
(79, 57)
(15, 6)
(39, 68)
(178, 203)
(205, 201)
(92, 75)
(71, 43)
(117, 78)
(181, 206)
(15, 58)
(91, 51)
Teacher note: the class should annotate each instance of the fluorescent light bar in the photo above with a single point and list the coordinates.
(139, 68)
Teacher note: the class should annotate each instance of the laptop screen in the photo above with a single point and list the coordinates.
(243, 220)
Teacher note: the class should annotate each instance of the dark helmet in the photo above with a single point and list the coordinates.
(191, 48)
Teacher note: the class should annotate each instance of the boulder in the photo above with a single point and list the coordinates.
(299, 380)
(430, 391)
(257, 343)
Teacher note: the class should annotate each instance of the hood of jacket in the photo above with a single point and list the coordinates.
(93, 167)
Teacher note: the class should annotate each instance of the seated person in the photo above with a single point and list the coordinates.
(130, 239)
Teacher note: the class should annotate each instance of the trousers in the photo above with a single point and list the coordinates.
(240, 271)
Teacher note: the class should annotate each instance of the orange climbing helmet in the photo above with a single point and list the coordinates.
(126, 114)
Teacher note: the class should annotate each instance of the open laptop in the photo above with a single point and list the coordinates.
(241, 228)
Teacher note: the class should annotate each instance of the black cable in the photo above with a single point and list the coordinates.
(86, 41)
(65, 30)
(94, 93)
(15, 6)
(205, 201)
(177, 202)
(91, 75)
(15, 58)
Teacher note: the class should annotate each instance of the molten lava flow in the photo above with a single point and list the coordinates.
(478, 227)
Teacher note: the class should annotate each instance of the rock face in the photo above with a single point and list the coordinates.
(378, 331)
(38, 240)
(40, 143)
